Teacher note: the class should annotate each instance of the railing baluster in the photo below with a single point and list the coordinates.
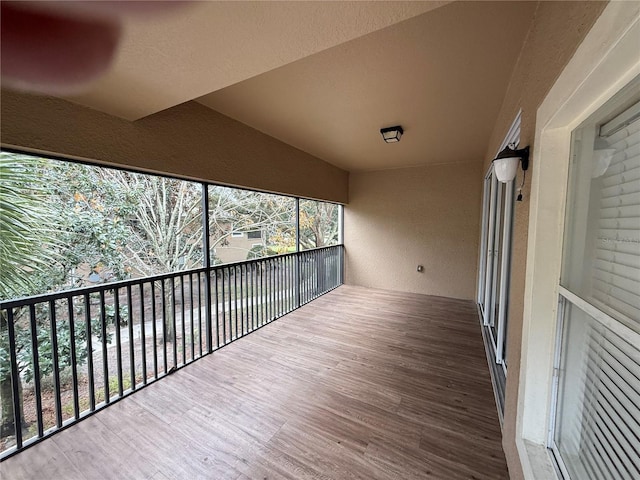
(183, 320)
(105, 356)
(15, 379)
(278, 263)
(235, 296)
(301, 279)
(143, 334)
(248, 294)
(174, 322)
(164, 326)
(310, 276)
(200, 311)
(36, 367)
(254, 292)
(270, 291)
(261, 291)
(231, 329)
(311, 273)
(316, 254)
(216, 301)
(323, 271)
(282, 288)
(266, 300)
(224, 308)
(191, 318)
(90, 379)
(276, 290)
(246, 280)
(231, 313)
(242, 316)
(289, 284)
(290, 294)
(277, 277)
(132, 358)
(74, 357)
(56, 363)
(207, 307)
(116, 320)
(154, 329)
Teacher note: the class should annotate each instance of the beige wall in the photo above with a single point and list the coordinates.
(398, 219)
(558, 29)
(188, 140)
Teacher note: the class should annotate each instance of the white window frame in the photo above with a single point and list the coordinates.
(590, 307)
(606, 60)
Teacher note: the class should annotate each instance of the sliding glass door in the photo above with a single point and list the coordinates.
(494, 269)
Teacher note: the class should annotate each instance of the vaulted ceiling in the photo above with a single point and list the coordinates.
(326, 76)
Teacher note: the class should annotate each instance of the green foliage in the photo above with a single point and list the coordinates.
(123, 315)
(45, 345)
(27, 240)
(67, 408)
(91, 217)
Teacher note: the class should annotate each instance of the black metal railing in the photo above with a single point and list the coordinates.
(66, 355)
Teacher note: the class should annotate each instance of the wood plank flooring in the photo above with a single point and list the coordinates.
(359, 384)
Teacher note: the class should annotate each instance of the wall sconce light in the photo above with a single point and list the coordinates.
(391, 134)
(505, 165)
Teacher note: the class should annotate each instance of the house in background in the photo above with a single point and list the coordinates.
(239, 246)
(290, 98)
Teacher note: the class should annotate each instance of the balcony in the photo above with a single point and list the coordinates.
(359, 383)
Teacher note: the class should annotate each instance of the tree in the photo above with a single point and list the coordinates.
(37, 245)
(164, 227)
(233, 210)
(318, 224)
(23, 252)
(27, 241)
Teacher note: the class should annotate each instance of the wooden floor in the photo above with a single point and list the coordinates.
(361, 383)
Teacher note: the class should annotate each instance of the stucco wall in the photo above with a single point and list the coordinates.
(398, 219)
(188, 140)
(557, 31)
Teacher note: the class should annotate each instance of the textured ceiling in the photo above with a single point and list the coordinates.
(209, 45)
(326, 76)
(441, 75)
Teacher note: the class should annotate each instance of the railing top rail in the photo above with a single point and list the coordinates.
(76, 292)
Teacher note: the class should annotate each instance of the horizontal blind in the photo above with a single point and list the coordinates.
(610, 433)
(616, 267)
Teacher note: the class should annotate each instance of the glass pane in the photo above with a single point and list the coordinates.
(602, 227)
(245, 224)
(319, 225)
(72, 225)
(597, 429)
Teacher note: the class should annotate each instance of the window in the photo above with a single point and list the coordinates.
(319, 224)
(105, 224)
(257, 215)
(596, 428)
(102, 224)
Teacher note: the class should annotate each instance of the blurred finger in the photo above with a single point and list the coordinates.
(43, 51)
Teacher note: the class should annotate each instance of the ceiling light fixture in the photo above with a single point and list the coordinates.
(505, 165)
(392, 134)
